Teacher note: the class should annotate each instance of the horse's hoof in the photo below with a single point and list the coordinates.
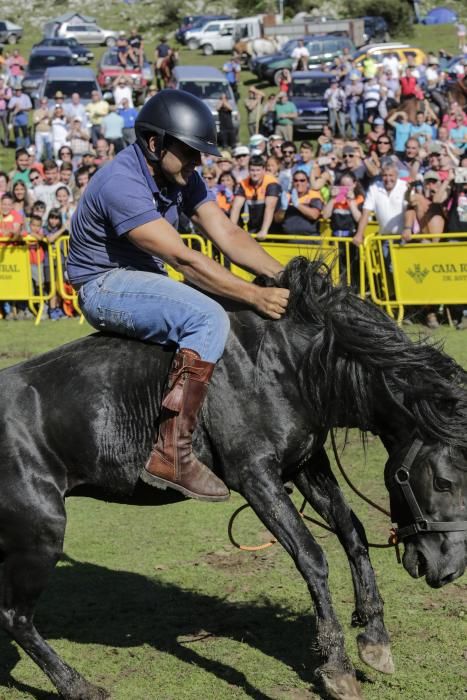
(82, 690)
(378, 656)
(338, 685)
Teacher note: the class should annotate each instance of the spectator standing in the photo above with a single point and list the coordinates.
(371, 98)
(286, 113)
(59, 126)
(268, 120)
(42, 122)
(21, 170)
(96, 110)
(122, 90)
(75, 108)
(226, 184)
(78, 139)
(22, 199)
(399, 121)
(11, 220)
(305, 161)
(232, 69)
(256, 199)
(458, 133)
(386, 198)
(20, 105)
(64, 202)
(5, 96)
(421, 130)
(336, 101)
(288, 152)
(82, 178)
(128, 115)
(112, 129)
(227, 132)
(162, 51)
(354, 101)
(253, 106)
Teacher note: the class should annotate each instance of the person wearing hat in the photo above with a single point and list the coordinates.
(241, 155)
(258, 142)
(224, 162)
(123, 232)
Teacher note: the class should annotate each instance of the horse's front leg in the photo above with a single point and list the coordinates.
(319, 486)
(266, 494)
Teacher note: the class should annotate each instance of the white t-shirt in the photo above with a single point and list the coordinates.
(392, 63)
(389, 207)
(122, 92)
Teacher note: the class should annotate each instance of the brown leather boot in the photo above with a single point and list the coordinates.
(172, 462)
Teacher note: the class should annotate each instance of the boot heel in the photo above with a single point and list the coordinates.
(154, 480)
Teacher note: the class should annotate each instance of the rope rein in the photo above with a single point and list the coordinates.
(392, 542)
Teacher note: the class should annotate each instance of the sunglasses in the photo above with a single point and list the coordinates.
(209, 177)
(386, 143)
(300, 179)
(34, 179)
(288, 153)
(348, 155)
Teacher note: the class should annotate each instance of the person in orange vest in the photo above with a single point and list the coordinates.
(256, 199)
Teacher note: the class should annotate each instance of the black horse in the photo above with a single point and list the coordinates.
(80, 420)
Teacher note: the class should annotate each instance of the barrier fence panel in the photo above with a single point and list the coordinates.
(64, 288)
(419, 273)
(27, 273)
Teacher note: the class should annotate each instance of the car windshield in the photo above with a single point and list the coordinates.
(206, 89)
(45, 61)
(68, 87)
(309, 88)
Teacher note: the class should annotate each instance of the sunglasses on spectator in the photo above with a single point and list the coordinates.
(348, 155)
(386, 143)
(300, 179)
(209, 177)
(34, 179)
(288, 152)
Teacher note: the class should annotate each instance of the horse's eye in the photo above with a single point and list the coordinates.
(442, 484)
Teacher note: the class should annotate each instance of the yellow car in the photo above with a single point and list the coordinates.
(377, 52)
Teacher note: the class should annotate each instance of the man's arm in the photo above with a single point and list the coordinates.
(362, 224)
(161, 239)
(237, 205)
(234, 242)
(270, 204)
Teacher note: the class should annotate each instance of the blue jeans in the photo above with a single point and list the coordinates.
(152, 307)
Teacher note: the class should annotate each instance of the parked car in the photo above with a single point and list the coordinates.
(185, 24)
(256, 63)
(197, 24)
(87, 33)
(109, 68)
(307, 93)
(323, 49)
(208, 84)
(10, 33)
(379, 51)
(40, 59)
(80, 53)
(68, 80)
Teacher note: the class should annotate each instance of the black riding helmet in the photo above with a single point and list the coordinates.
(179, 114)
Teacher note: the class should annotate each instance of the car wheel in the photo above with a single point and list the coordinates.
(192, 44)
(12, 39)
(110, 41)
(208, 49)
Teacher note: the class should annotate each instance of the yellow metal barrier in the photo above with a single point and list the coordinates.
(23, 280)
(422, 272)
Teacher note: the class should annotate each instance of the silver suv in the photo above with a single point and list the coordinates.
(87, 33)
(10, 33)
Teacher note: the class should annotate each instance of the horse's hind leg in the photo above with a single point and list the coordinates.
(319, 486)
(29, 557)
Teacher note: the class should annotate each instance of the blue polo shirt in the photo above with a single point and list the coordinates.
(121, 196)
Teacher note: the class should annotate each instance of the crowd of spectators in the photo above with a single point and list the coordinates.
(378, 156)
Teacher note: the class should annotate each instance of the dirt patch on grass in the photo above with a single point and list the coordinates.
(245, 562)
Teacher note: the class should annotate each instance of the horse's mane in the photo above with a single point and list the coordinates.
(360, 359)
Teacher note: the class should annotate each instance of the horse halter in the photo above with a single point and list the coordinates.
(401, 478)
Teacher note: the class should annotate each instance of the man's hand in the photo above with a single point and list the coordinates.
(357, 239)
(261, 235)
(270, 301)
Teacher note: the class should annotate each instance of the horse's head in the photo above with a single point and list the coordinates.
(428, 493)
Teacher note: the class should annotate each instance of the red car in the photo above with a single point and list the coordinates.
(111, 68)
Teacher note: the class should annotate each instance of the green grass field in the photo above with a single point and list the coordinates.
(156, 603)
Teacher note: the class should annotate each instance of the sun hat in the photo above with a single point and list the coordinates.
(431, 175)
(256, 139)
(241, 151)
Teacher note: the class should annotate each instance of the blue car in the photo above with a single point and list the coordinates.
(307, 93)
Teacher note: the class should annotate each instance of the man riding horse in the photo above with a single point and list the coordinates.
(125, 229)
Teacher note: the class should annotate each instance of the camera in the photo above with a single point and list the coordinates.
(460, 176)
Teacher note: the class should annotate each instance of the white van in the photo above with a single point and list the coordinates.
(219, 29)
(245, 28)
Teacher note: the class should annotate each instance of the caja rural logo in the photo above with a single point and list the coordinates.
(417, 274)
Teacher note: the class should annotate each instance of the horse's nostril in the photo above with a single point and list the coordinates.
(422, 565)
